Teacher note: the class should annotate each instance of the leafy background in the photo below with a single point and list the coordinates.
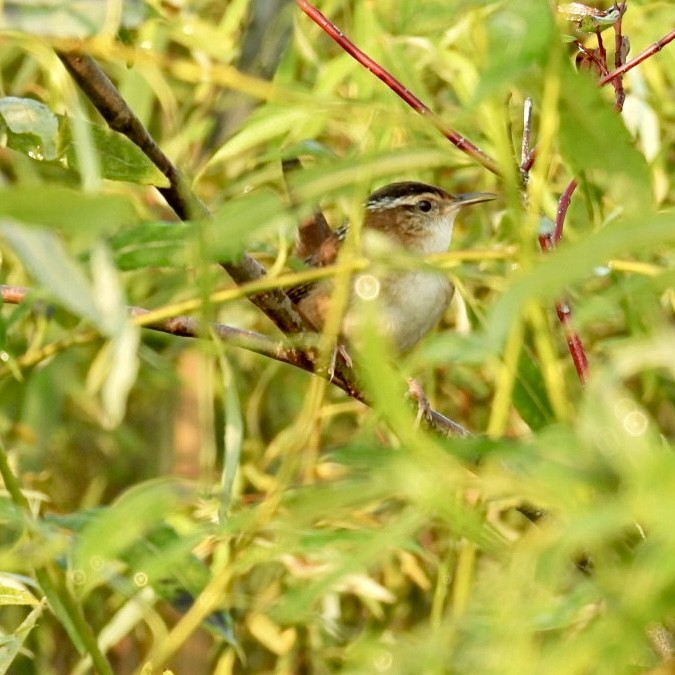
(320, 535)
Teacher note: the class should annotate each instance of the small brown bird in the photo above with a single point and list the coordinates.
(409, 216)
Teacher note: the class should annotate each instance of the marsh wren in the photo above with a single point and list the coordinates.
(412, 217)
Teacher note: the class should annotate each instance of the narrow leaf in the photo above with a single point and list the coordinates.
(47, 260)
(66, 209)
(34, 130)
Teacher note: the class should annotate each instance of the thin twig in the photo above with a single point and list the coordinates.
(592, 55)
(620, 52)
(602, 52)
(528, 163)
(561, 213)
(527, 130)
(105, 97)
(282, 351)
(547, 242)
(527, 138)
(642, 56)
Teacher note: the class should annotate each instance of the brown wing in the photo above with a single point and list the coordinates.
(317, 246)
(312, 234)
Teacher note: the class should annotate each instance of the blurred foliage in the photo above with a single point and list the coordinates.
(144, 471)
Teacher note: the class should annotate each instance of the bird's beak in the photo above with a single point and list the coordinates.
(468, 198)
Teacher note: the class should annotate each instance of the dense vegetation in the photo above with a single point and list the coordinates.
(144, 470)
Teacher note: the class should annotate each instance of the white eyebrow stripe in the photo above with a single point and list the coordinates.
(392, 202)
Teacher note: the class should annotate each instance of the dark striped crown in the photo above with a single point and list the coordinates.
(401, 193)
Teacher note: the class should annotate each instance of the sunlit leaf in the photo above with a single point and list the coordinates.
(66, 209)
(107, 533)
(33, 129)
(588, 19)
(55, 270)
(117, 362)
(152, 244)
(593, 139)
(571, 263)
(15, 595)
(69, 18)
(11, 645)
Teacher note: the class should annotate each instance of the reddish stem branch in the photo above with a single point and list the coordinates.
(650, 51)
(563, 205)
(527, 165)
(548, 242)
(620, 51)
(601, 48)
(385, 76)
(594, 56)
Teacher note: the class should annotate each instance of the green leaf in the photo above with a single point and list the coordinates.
(15, 595)
(233, 227)
(233, 433)
(313, 183)
(10, 645)
(117, 362)
(529, 393)
(69, 18)
(588, 19)
(152, 244)
(156, 555)
(114, 529)
(34, 130)
(268, 123)
(571, 263)
(120, 158)
(521, 35)
(66, 209)
(594, 138)
(240, 221)
(48, 261)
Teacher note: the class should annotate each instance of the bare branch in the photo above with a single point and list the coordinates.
(282, 351)
(114, 109)
(642, 56)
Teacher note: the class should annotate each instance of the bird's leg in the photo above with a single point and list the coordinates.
(416, 393)
(340, 350)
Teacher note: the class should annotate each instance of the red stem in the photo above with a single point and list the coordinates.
(652, 49)
(601, 47)
(527, 165)
(415, 103)
(563, 205)
(619, 58)
(601, 63)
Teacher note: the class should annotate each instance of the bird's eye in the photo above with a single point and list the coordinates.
(425, 205)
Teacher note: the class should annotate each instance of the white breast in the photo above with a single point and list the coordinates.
(408, 305)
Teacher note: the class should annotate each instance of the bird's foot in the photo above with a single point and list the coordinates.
(340, 350)
(416, 393)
